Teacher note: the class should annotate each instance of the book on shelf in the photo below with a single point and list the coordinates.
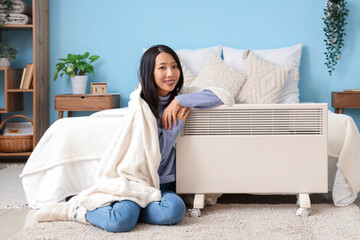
(351, 90)
(28, 76)
(22, 79)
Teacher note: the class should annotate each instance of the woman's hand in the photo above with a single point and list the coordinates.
(183, 113)
(170, 114)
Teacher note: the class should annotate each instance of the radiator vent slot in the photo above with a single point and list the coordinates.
(233, 121)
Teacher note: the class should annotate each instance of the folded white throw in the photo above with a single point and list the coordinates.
(15, 18)
(18, 6)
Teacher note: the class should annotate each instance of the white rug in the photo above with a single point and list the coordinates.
(12, 193)
(224, 221)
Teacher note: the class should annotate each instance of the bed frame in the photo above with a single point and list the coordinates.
(256, 149)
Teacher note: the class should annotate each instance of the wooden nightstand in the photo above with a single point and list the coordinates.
(346, 99)
(87, 102)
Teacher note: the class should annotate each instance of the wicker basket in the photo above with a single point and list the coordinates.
(10, 144)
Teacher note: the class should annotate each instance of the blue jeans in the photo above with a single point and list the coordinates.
(122, 216)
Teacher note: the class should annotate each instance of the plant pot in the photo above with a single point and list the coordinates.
(79, 84)
(4, 62)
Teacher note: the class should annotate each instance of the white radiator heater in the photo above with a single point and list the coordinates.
(256, 149)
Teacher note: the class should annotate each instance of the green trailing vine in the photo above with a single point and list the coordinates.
(335, 22)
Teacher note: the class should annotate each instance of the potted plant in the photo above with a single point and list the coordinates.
(7, 52)
(76, 66)
(335, 22)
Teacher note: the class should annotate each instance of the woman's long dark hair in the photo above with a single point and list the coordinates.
(146, 76)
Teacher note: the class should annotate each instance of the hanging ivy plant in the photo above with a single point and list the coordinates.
(335, 22)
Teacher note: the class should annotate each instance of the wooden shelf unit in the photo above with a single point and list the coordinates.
(40, 91)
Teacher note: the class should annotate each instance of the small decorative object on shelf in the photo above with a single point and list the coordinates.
(76, 66)
(7, 52)
(335, 22)
(98, 88)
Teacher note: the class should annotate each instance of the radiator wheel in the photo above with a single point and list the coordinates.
(195, 212)
(303, 212)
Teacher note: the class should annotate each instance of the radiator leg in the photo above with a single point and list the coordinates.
(199, 203)
(303, 201)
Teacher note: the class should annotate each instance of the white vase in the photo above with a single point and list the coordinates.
(79, 84)
(4, 62)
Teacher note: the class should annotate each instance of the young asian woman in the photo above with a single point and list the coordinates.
(161, 79)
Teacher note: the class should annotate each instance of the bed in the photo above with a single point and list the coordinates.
(54, 181)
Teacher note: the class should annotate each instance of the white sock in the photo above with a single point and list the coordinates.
(77, 213)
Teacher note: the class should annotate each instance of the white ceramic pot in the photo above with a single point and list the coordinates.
(79, 84)
(4, 62)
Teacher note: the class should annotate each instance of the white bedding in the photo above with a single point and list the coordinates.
(57, 181)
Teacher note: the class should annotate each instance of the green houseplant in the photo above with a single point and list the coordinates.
(7, 52)
(335, 22)
(75, 66)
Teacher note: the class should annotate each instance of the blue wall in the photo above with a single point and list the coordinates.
(119, 30)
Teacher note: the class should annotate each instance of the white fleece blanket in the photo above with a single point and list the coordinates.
(128, 167)
(344, 144)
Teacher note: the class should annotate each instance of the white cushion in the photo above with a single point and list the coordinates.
(288, 57)
(195, 59)
(220, 78)
(265, 80)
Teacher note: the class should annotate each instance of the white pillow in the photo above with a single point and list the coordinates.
(288, 57)
(116, 112)
(220, 78)
(195, 59)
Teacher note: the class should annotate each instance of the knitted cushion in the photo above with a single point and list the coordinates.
(265, 80)
(220, 78)
(287, 57)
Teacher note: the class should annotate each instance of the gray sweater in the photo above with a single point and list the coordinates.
(201, 100)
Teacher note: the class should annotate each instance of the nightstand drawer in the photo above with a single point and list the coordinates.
(86, 102)
(345, 99)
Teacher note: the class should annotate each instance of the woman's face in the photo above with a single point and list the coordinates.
(166, 73)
